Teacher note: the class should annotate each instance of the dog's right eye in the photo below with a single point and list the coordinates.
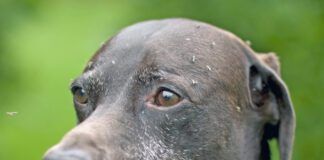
(79, 95)
(167, 98)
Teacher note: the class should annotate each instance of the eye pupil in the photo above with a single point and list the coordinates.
(167, 95)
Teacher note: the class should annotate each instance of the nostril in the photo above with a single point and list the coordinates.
(72, 154)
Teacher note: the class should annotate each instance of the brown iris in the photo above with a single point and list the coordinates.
(80, 95)
(166, 98)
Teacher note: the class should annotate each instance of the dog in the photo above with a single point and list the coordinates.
(178, 89)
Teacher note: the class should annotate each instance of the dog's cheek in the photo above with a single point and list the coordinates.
(82, 112)
(184, 131)
(175, 134)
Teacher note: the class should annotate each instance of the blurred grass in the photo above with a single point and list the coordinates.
(44, 44)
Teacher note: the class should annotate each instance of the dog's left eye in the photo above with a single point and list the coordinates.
(166, 98)
(79, 95)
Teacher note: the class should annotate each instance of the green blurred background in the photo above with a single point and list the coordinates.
(45, 44)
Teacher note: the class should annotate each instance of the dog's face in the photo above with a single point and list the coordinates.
(177, 89)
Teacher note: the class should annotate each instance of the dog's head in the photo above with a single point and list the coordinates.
(178, 89)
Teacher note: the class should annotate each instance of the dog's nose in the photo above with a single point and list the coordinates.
(72, 154)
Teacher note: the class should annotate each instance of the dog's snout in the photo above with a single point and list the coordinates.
(71, 154)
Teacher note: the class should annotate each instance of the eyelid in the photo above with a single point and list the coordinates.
(172, 87)
(75, 85)
(160, 89)
(75, 88)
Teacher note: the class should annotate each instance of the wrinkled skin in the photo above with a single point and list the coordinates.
(232, 100)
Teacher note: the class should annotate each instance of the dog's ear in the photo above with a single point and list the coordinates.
(270, 98)
(271, 60)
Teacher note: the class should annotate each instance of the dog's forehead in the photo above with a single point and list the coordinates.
(192, 48)
(173, 39)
